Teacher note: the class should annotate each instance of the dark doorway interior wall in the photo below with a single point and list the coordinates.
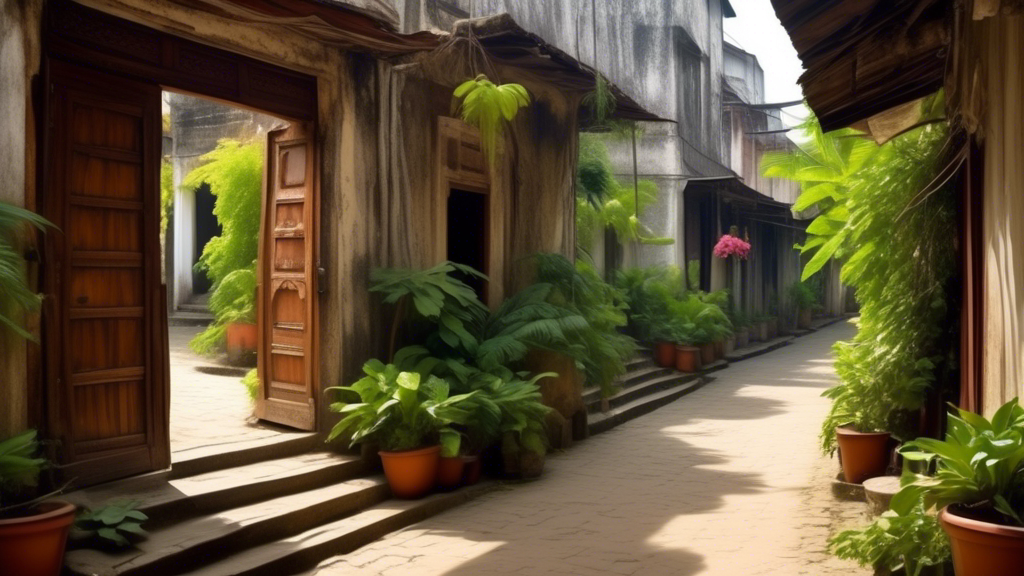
(467, 234)
(207, 227)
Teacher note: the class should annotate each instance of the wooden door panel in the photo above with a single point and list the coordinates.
(286, 309)
(103, 273)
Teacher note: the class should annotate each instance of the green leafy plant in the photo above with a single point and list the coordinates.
(490, 107)
(697, 322)
(912, 542)
(115, 525)
(399, 410)
(979, 467)
(251, 382)
(888, 214)
(801, 296)
(604, 349)
(234, 173)
(19, 472)
(16, 297)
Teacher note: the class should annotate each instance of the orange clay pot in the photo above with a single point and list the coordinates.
(471, 470)
(707, 354)
(34, 545)
(982, 548)
(449, 472)
(411, 473)
(665, 354)
(863, 454)
(687, 358)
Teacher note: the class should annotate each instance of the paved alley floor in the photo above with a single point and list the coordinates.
(726, 481)
(209, 404)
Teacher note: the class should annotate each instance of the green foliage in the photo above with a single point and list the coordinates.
(19, 468)
(912, 541)
(600, 102)
(490, 108)
(166, 194)
(251, 381)
(604, 350)
(801, 296)
(601, 202)
(594, 179)
(883, 214)
(115, 525)
(696, 322)
(399, 410)
(662, 310)
(234, 173)
(979, 465)
(16, 298)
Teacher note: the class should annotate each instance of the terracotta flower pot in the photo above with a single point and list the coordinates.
(687, 358)
(863, 454)
(760, 332)
(471, 470)
(411, 473)
(719, 349)
(34, 545)
(804, 319)
(665, 354)
(241, 340)
(707, 354)
(449, 472)
(742, 337)
(773, 328)
(982, 548)
(728, 345)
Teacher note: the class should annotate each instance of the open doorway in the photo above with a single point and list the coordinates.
(211, 193)
(468, 234)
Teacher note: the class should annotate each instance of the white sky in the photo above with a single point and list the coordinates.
(757, 30)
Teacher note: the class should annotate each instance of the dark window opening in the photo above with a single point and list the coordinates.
(207, 227)
(467, 235)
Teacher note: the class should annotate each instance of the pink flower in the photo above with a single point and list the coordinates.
(729, 245)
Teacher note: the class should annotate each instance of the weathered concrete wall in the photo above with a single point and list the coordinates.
(19, 62)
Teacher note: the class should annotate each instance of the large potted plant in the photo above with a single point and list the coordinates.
(33, 529)
(861, 434)
(978, 486)
(408, 417)
(803, 299)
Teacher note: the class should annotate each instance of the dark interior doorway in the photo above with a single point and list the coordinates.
(207, 227)
(468, 233)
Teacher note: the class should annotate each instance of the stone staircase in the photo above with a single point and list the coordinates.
(277, 516)
(643, 388)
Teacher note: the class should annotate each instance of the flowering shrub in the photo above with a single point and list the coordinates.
(729, 245)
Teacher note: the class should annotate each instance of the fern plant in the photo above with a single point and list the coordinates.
(16, 298)
(605, 349)
(490, 108)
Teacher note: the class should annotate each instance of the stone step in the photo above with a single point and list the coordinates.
(663, 381)
(181, 318)
(304, 550)
(602, 422)
(640, 361)
(167, 500)
(188, 545)
(758, 348)
(198, 308)
(204, 459)
(627, 380)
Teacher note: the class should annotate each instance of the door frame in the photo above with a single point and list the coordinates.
(83, 38)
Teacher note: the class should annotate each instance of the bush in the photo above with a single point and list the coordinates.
(801, 296)
(234, 172)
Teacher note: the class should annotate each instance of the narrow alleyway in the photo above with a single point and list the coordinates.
(727, 481)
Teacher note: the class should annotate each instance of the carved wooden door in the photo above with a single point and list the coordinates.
(286, 309)
(104, 334)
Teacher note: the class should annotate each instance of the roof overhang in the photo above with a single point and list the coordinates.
(864, 57)
(732, 188)
(509, 44)
(359, 25)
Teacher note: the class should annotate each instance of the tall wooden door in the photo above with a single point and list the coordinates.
(286, 309)
(105, 341)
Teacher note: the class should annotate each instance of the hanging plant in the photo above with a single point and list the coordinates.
(729, 245)
(490, 107)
